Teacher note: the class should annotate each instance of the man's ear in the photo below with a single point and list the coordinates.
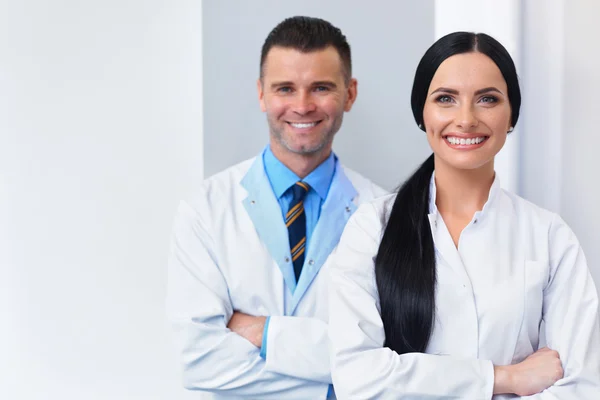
(261, 95)
(351, 94)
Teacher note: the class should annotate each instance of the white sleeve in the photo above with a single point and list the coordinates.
(570, 313)
(361, 367)
(299, 347)
(213, 358)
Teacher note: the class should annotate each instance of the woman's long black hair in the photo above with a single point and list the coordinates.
(405, 264)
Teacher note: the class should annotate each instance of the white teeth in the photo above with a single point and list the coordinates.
(461, 141)
(305, 125)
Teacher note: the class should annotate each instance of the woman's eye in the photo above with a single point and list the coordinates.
(489, 99)
(444, 99)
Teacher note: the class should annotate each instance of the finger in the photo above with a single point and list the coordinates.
(543, 349)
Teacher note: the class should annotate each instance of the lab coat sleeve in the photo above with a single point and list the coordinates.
(362, 368)
(299, 347)
(213, 358)
(570, 313)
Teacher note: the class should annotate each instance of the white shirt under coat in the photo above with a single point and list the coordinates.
(516, 265)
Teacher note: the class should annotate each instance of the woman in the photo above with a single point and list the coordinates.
(439, 291)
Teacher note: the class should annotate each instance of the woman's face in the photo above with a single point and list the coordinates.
(467, 113)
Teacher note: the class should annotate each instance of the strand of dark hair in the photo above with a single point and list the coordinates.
(405, 267)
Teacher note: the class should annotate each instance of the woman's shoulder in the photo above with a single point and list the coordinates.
(540, 221)
(368, 221)
(527, 210)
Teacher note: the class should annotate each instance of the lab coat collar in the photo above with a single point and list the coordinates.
(265, 212)
(494, 190)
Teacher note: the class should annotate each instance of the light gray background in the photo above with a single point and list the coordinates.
(379, 137)
(558, 169)
(100, 134)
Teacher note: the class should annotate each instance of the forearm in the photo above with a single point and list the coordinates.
(298, 347)
(217, 360)
(384, 374)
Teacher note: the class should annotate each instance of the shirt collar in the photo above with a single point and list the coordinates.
(281, 177)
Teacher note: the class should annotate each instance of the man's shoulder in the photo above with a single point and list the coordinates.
(366, 188)
(221, 188)
(230, 177)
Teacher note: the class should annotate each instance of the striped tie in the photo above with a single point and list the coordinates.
(295, 220)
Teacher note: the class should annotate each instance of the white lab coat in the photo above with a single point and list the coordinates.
(516, 265)
(230, 252)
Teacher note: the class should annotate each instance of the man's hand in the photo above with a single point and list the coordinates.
(249, 327)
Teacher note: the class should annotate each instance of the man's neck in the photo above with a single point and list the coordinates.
(301, 164)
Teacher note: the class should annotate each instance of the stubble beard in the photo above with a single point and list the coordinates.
(325, 138)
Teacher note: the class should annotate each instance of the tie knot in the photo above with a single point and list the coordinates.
(299, 190)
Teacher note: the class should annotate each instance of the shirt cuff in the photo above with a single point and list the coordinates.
(263, 346)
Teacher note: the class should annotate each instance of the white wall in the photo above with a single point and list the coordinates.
(580, 127)
(560, 115)
(100, 131)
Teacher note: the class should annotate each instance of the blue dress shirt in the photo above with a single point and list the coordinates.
(281, 179)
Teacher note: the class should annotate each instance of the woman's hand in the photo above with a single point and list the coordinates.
(537, 372)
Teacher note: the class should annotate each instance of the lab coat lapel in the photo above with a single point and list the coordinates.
(335, 212)
(264, 211)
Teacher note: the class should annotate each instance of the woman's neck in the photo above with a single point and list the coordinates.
(462, 192)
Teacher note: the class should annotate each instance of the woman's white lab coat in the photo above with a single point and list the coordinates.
(516, 266)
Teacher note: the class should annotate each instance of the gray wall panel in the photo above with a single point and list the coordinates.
(378, 138)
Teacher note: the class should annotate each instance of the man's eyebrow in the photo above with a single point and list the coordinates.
(282, 83)
(325, 83)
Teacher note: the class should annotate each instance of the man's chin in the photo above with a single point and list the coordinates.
(305, 149)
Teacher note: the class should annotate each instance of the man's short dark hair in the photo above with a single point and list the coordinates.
(307, 34)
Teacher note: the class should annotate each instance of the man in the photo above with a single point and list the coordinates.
(247, 273)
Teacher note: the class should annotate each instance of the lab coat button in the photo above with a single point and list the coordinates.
(311, 262)
(347, 209)
(287, 259)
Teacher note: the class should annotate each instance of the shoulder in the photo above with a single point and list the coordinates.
(370, 219)
(220, 189)
(526, 211)
(366, 188)
(544, 224)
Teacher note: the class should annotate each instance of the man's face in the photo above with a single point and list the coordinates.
(305, 96)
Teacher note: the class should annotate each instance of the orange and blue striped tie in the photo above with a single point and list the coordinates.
(295, 220)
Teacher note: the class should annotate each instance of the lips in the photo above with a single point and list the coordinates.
(462, 141)
(465, 142)
(303, 125)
